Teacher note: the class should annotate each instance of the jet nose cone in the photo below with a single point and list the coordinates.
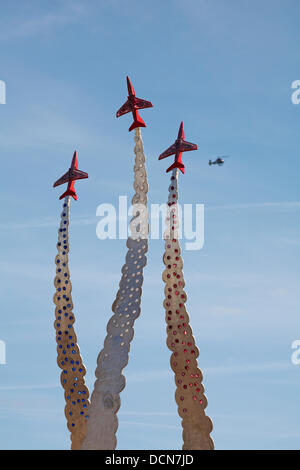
(130, 87)
(74, 160)
(181, 131)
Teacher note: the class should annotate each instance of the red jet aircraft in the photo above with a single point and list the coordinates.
(132, 105)
(180, 145)
(72, 174)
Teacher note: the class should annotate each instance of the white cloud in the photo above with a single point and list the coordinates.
(43, 128)
(48, 222)
(147, 413)
(40, 271)
(149, 375)
(223, 310)
(149, 425)
(248, 368)
(229, 369)
(28, 387)
(69, 13)
(280, 205)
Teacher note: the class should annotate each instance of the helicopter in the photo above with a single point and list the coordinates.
(219, 161)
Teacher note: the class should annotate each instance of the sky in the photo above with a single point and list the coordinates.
(225, 68)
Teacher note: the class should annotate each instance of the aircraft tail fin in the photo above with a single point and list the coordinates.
(176, 165)
(209, 163)
(137, 123)
(69, 192)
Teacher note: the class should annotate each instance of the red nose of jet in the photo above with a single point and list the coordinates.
(130, 87)
(74, 164)
(181, 131)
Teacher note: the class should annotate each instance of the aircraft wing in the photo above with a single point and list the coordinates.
(170, 151)
(62, 180)
(79, 175)
(75, 175)
(186, 146)
(142, 104)
(126, 108)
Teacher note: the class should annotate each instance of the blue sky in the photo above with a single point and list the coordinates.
(225, 69)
